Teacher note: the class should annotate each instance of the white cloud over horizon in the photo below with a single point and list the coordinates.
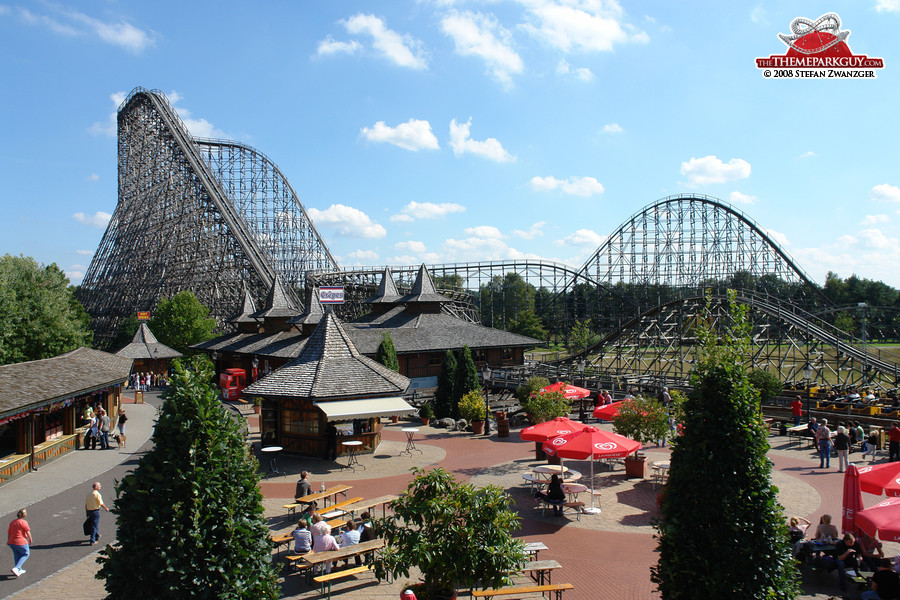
(68, 22)
(582, 237)
(612, 128)
(411, 246)
(330, 47)
(475, 34)
(347, 221)
(534, 231)
(574, 186)
(710, 169)
(99, 219)
(402, 50)
(413, 135)
(740, 198)
(489, 148)
(585, 27)
(426, 210)
(580, 73)
(885, 191)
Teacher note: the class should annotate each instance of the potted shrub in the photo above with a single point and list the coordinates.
(544, 406)
(426, 413)
(257, 404)
(472, 409)
(457, 535)
(644, 420)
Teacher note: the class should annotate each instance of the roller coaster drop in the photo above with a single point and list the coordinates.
(214, 217)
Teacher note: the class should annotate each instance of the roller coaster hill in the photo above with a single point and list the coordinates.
(217, 217)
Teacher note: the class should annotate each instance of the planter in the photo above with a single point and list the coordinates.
(478, 427)
(502, 426)
(636, 467)
(257, 408)
(395, 418)
(426, 421)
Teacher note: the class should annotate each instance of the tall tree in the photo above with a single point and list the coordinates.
(39, 315)
(181, 321)
(528, 324)
(387, 354)
(466, 375)
(722, 533)
(444, 404)
(190, 517)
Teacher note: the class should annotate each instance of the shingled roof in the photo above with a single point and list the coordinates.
(283, 344)
(245, 314)
(278, 303)
(30, 385)
(387, 290)
(314, 311)
(145, 345)
(330, 366)
(423, 289)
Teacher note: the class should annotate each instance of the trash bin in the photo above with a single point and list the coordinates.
(502, 425)
(138, 397)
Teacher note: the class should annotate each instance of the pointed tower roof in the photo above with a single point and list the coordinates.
(245, 314)
(314, 310)
(387, 290)
(145, 345)
(330, 366)
(423, 289)
(278, 303)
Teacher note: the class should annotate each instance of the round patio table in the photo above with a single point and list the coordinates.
(272, 453)
(352, 460)
(410, 442)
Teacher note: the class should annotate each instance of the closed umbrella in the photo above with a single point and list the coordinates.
(852, 500)
(878, 479)
(882, 520)
(591, 442)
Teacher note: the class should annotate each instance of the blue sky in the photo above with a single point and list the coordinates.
(450, 131)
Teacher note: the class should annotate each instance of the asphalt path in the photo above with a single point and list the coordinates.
(56, 520)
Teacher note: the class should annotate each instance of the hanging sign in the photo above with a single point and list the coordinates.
(331, 295)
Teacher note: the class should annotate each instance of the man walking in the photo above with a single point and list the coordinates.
(894, 442)
(823, 439)
(92, 505)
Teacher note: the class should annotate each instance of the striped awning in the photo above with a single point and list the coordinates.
(340, 410)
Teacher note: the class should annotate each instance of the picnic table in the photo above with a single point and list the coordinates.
(310, 561)
(367, 504)
(540, 570)
(323, 496)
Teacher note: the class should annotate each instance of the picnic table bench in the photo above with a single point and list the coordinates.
(556, 589)
(532, 549)
(323, 496)
(539, 570)
(327, 578)
(310, 561)
(280, 540)
(367, 504)
(339, 509)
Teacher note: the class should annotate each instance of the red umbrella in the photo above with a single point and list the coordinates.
(608, 411)
(882, 520)
(852, 500)
(878, 479)
(550, 429)
(591, 442)
(569, 391)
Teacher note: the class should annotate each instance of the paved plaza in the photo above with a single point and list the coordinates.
(605, 556)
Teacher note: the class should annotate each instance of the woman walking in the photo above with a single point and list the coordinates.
(19, 540)
(120, 423)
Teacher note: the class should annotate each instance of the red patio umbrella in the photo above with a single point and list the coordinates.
(608, 411)
(571, 392)
(882, 520)
(878, 479)
(550, 429)
(591, 442)
(852, 500)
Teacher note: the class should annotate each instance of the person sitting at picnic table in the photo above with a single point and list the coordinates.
(845, 555)
(302, 538)
(366, 532)
(797, 527)
(554, 495)
(303, 486)
(872, 552)
(825, 531)
(885, 583)
(349, 537)
(811, 427)
(323, 541)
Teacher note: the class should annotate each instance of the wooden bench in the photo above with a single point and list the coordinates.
(532, 549)
(578, 507)
(326, 579)
(323, 496)
(556, 589)
(313, 559)
(338, 509)
(539, 570)
(293, 561)
(367, 504)
(280, 540)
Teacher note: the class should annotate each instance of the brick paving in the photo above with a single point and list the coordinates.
(605, 556)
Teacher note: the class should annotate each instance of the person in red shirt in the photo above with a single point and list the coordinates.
(797, 410)
(894, 442)
(19, 540)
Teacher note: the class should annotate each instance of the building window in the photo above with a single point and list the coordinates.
(479, 356)
(506, 354)
(435, 359)
(300, 422)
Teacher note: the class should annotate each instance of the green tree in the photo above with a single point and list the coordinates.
(543, 406)
(387, 354)
(190, 516)
(528, 324)
(767, 384)
(444, 404)
(722, 533)
(642, 419)
(39, 315)
(466, 375)
(126, 332)
(181, 322)
(531, 386)
(580, 337)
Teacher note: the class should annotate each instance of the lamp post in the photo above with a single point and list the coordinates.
(808, 374)
(865, 374)
(486, 375)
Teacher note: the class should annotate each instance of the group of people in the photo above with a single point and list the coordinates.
(145, 381)
(313, 534)
(100, 427)
(842, 441)
(845, 553)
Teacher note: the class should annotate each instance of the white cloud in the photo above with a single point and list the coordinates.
(884, 191)
(709, 169)
(329, 47)
(574, 186)
(200, 128)
(85, 252)
(780, 239)
(477, 248)
(758, 14)
(887, 5)
(347, 221)
(875, 219)
(475, 34)
(413, 135)
(411, 246)
(582, 237)
(875, 238)
(65, 21)
(807, 154)
(739, 198)
(590, 27)
(110, 127)
(363, 255)
(99, 219)
(426, 210)
(484, 231)
(75, 273)
(612, 128)
(581, 73)
(489, 148)
(92, 177)
(402, 50)
(534, 231)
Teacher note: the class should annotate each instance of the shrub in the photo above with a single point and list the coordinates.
(531, 386)
(471, 407)
(642, 419)
(767, 384)
(543, 406)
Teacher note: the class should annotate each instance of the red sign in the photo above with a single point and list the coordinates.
(143, 315)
